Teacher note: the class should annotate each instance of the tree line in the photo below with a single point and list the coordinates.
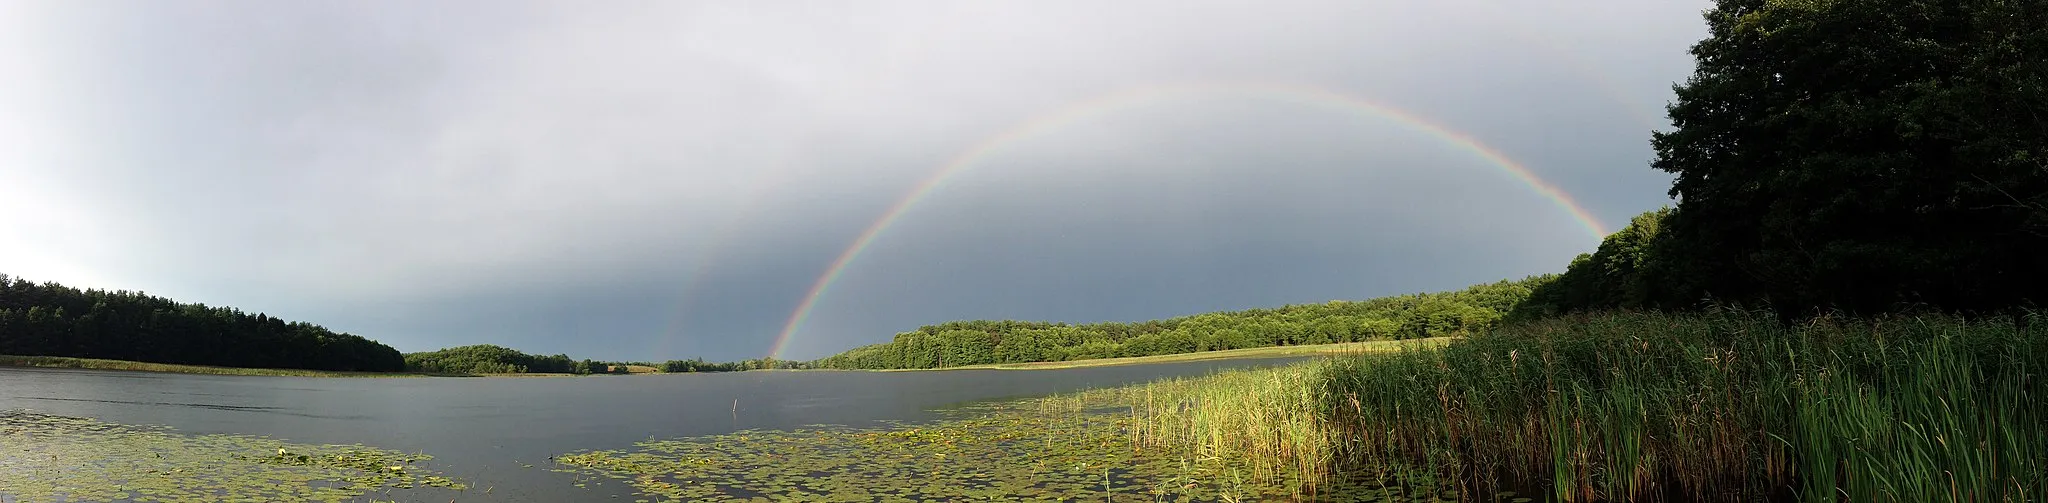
(493, 359)
(699, 365)
(50, 319)
(957, 343)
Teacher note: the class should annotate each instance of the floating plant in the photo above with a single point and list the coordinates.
(58, 458)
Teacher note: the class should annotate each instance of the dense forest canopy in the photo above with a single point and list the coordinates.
(50, 319)
(1862, 155)
(490, 359)
(1398, 317)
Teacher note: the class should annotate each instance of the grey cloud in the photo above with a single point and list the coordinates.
(548, 175)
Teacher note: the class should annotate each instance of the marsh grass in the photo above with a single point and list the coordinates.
(1261, 427)
(1727, 405)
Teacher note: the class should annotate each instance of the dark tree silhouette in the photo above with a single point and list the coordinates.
(50, 319)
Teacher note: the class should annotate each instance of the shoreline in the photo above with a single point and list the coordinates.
(66, 362)
(1341, 348)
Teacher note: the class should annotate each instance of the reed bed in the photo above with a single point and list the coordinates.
(1262, 425)
(1726, 405)
(1266, 417)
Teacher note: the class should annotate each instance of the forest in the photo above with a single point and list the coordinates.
(1476, 308)
(493, 359)
(50, 319)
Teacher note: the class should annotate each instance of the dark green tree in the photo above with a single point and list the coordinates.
(1624, 272)
(1861, 154)
(50, 319)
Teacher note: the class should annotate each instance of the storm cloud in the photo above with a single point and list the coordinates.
(656, 180)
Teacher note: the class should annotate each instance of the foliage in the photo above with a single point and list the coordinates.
(699, 365)
(491, 359)
(1266, 419)
(963, 343)
(1861, 155)
(1725, 404)
(1622, 272)
(50, 319)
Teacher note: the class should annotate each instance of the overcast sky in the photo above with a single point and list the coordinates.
(657, 180)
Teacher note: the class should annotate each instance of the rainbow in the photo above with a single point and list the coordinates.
(1077, 111)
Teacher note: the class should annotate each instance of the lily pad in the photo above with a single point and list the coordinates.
(59, 458)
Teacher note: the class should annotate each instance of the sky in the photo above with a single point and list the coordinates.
(667, 180)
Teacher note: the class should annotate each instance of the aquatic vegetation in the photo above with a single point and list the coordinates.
(1721, 405)
(53, 458)
(1264, 419)
(1074, 447)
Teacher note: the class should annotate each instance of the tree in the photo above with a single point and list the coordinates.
(1624, 272)
(51, 319)
(1861, 155)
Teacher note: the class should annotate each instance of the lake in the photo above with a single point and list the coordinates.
(486, 430)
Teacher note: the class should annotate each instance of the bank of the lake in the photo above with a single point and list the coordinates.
(1311, 350)
(63, 362)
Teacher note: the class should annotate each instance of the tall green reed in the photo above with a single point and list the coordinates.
(1723, 405)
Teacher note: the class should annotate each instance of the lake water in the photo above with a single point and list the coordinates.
(482, 430)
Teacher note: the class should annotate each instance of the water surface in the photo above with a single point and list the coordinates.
(487, 430)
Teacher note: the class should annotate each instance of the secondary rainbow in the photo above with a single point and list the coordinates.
(1144, 95)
